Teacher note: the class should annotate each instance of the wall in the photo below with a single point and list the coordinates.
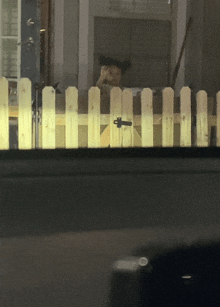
(202, 56)
(195, 10)
(211, 47)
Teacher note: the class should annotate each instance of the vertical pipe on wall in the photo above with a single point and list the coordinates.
(19, 39)
(58, 42)
(181, 28)
(83, 45)
(0, 39)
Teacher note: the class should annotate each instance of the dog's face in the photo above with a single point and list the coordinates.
(114, 75)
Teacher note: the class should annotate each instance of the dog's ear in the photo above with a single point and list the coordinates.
(107, 61)
(124, 66)
(101, 60)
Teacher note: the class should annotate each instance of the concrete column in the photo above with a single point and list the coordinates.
(181, 28)
(58, 42)
(83, 45)
(71, 43)
(194, 49)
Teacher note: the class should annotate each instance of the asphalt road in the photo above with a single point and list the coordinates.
(73, 269)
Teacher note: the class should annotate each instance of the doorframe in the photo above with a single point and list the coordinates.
(19, 40)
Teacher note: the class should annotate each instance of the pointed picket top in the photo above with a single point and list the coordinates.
(25, 114)
(168, 90)
(72, 98)
(71, 128)
(94, 138)
(168, 95)
(218, 119)
(202, 118)
(48, 118)
(4, 120)
(115, 112)
(168, 117)
(94, 93)
(202, 101)
(127, 91)
(185, 117)
(116, 95)
(147, 119)
(185, 89)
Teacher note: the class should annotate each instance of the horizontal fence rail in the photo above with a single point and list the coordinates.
(122, 128)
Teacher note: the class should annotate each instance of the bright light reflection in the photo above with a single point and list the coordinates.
(186, 276)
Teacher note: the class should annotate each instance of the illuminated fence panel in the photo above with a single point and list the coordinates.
(147, 118)
(127, 118)
(71, 127)
(94, 118)
(116, 111)
(4, 120)
(25, 114)
(185, 111)
(167, 117)
(48, 118)
(122, 127)
(218, 121)
(202, 119)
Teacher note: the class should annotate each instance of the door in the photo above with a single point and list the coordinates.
(20, 40)
(30, 40)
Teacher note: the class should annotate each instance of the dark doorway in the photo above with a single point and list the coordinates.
(45, 41)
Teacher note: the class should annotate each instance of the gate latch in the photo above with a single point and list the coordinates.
(120, 122)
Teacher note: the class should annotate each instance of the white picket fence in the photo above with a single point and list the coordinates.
(121, 106)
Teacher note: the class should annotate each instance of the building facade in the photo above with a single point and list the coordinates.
(150, 34)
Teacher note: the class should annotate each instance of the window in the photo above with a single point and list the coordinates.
(140, 6)
(9, 38)
(146, 43)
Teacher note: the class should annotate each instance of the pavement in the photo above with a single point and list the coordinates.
(72, 268)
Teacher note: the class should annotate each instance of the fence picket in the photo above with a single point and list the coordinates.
(4, 120)
(71, 129)
(202, 119)
(121, 106)
(127, 116)
(25, 114)
(94, 118)
(48, 118)
(185, 113)
(218, 120)
(147, 118)
(115, 111)
(168, 117)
